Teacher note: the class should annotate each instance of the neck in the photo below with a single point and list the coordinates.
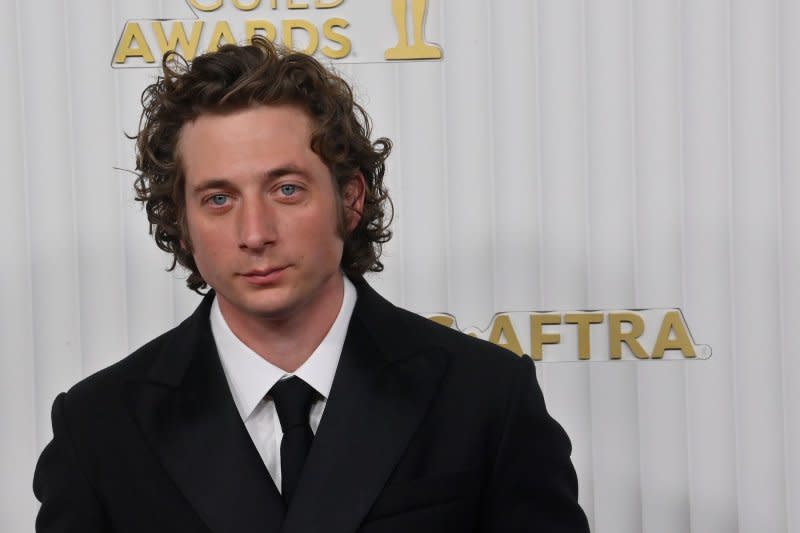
(287, 341)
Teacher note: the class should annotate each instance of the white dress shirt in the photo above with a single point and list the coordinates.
(250, 377)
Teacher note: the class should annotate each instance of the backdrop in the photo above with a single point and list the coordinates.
(564, 154)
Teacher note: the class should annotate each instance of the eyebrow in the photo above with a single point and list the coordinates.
(283, 170)
(222, 183)
(216, 183)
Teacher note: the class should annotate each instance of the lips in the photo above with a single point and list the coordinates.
(263, 276)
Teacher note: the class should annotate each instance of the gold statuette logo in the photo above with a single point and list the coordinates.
(418, 49)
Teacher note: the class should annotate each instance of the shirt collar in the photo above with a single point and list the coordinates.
(250, 376)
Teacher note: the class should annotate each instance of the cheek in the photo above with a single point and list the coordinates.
(207, 245)
(205, 232)
(321, 244)
(321, 225)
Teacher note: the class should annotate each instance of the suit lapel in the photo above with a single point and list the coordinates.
(379, 396)
(188, 416)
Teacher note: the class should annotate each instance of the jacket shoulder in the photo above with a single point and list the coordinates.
(462, 348)
(109, 380)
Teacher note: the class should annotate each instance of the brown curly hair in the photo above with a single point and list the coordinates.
(237, 77)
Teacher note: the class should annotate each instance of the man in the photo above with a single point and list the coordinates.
(295, 398)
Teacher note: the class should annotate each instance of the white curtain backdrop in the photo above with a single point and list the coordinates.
(565, 154)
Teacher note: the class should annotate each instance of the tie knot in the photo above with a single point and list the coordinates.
(293, 398)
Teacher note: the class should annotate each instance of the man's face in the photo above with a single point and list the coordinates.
(261, 212)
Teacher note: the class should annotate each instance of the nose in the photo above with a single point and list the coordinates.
(256, 225)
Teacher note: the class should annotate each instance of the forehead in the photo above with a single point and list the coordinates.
(266, 122)
(245, 141)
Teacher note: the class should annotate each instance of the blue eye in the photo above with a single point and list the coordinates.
(219, 199)
(288, 189)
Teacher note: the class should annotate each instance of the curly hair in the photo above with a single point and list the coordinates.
(238, 77)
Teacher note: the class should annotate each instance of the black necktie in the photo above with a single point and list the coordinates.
(293, 398)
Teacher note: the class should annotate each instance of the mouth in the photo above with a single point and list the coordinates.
(263, 276)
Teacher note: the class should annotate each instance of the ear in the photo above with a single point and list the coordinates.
(186, 245)
(353, 194)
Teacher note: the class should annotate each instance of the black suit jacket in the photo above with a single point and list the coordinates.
(426, 429)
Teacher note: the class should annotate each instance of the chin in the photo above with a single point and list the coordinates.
(269, 309)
